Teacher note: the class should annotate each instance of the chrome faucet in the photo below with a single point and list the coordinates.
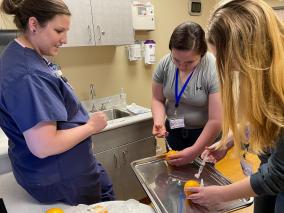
(93, 96)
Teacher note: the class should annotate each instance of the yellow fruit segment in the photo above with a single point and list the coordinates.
(54, 210)
(188, 184)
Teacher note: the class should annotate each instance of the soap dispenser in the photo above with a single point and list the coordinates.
(123, 98)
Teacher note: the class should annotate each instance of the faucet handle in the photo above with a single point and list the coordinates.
(103, 106)
(94, 108)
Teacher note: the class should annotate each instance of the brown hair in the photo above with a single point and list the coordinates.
(249, 41)
(189, 36)
(42, 10)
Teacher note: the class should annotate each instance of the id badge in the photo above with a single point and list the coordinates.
(176, 123)
(246, 167)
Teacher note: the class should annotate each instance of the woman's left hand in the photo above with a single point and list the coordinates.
(206, 196)
(183, 157)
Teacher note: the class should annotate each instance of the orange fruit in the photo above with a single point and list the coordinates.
(169, 153)
(54, 210)
(188, 184)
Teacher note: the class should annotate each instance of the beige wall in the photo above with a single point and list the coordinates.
(108, 68)
(275, 3)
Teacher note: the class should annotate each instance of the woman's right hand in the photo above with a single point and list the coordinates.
(159, 130)
(98, 121)
(212, 154)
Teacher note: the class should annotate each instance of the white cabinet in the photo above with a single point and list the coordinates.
(100, 22)
(112, 22)
(81, 27)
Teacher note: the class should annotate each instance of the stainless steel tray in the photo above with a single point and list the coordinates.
(164, 185)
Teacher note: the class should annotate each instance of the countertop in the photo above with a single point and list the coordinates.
(17, 200)
(112, 124)
(3, 143)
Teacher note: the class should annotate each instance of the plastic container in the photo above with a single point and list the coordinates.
(123, 98)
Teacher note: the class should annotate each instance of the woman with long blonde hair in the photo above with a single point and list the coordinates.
(248, 40)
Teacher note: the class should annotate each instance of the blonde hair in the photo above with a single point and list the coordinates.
(249, 39)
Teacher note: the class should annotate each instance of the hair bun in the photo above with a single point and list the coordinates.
(11, 7)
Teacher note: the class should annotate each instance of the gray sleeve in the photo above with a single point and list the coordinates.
(269, 180)
(214, 80)
(160, 72)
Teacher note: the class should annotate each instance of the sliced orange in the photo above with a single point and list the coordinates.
(54, 210)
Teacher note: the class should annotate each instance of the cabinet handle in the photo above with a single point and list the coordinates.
(124, 154)
(99, 30)
(115, 160)
(90, 34)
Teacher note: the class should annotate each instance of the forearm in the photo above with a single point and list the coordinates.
(66, 139)
(237, 190)
(49, 141)
(207, 136)
(158, 111)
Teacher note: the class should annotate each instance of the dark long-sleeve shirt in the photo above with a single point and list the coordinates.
(269, 180)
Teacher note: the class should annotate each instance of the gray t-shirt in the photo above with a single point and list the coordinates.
(193, 105)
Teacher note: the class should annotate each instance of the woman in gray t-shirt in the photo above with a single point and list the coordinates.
(185, 91)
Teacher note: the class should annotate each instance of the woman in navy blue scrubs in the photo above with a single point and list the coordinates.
(49, 132)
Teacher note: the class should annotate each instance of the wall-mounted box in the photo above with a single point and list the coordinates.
(143, 16)
(194, 7)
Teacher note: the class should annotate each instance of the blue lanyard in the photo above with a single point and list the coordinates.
(178, 96)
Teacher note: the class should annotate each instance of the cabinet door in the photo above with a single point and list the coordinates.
(112, 22)
(128, 153)
(110, 161)
(81, 31)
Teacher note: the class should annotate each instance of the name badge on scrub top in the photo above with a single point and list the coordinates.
(245, 164)
(246, 167)
(56, 70)
(176, 123)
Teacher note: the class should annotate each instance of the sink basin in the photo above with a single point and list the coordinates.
(115, 113)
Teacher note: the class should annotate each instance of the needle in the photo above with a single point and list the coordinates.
(197, 175)
(167, 144)
(201, 182)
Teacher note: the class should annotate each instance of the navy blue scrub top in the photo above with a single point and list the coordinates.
(31, 93)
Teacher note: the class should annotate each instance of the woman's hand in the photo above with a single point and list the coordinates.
(206, 196)
(213, 195)
(183, 157)
(212, 154)
(97, 121)
(159, 130)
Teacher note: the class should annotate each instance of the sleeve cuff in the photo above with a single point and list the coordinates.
(254, 182)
